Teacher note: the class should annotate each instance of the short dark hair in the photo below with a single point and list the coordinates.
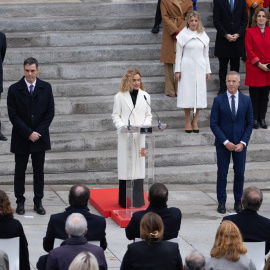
(252, 198)
(158, 194)
(195, 261)
(79, 195)
(30, 61)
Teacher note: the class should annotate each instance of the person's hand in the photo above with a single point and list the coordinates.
(229, 37)
(254, 5)
(34, 136)
(175, 34)
(235, 37)
(263, 67)
(207, 76)
(239, 147)
(178, 76)
(230, 146)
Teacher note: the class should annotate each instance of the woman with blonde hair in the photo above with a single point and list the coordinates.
(192, 69)
(84, 261)
(229, 251)
(151, 252)
(131, 109)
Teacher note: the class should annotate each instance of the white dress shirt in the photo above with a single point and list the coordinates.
(28, 84)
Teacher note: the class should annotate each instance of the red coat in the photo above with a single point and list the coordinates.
(257, 48)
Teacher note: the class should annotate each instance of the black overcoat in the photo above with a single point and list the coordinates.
(3, 47)
(30, 113)
(230, 23)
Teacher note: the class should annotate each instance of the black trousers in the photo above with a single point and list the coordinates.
(21, 161)
(259, 100)
(0, 114)
(223, 67)
(138, 194)
(158, 17)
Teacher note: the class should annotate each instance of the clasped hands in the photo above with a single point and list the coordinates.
(34, 136)
(232, 147)
(232, 38)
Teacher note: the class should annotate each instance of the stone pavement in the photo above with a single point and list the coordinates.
(197, 203)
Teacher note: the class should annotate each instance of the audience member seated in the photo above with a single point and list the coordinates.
(4, 264)
(79, 195)
(152, 253)
(267, 264)
(194, 261)
(229, 251)
(253, 227)
(171, 217)
(76, 227)
(10, 228)
(84, 261)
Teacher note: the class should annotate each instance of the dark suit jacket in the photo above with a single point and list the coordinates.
(253, 227)
(155, 256)
(224, 127)
(60, 258)
(171, 218)
(10, 228)
(56, 228)
(3, 47)
(30, 113)
(230, 23)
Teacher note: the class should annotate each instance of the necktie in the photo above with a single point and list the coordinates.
(31, 89)
(232, 5)
(233, 105)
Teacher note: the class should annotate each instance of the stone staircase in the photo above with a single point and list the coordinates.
(84, 49)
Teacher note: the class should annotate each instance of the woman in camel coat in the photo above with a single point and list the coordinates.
(174, 14)
(130, 103)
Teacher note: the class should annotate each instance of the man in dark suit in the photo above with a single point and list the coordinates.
(231, 122)
(31, 110)
(3, 47)
(253, 227)
(62, 257)
(171, 217)
(230, 19)
(79, 195)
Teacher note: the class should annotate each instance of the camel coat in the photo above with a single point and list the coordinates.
(173, 18)
(140, 116)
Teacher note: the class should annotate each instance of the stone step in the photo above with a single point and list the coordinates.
(100, 141)
(98, 70)
(88, 38)
(107, 160)
(84, 9)
(196, 174)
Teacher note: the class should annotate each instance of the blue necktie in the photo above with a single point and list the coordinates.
(233, 105)
(31, 89)
(232, 5)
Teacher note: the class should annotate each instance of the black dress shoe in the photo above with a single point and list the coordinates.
(221, 208)
(39, 209)
(155, 29)
(221, 91)
(263, 124)
(2, 137)
(20, 209)
(237, 207)
(255, 124)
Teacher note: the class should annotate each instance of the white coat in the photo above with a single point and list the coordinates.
(141, 116)
(192, 60)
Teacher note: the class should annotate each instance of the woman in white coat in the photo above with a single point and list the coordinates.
(192, 69)
(130, 103)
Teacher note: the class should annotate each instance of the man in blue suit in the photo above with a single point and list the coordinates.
(231, 122)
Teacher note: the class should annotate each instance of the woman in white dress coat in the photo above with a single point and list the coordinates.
(192, 69)
(130, 103)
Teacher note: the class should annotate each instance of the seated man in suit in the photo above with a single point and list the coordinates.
(76, 227)
(79, 195)
(195, 260)
(253, 227)
(171, 217)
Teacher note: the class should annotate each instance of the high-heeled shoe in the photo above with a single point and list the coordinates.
(188, 130)
(194, 130)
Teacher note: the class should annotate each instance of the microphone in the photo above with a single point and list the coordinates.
(129, 125)
(159, 124)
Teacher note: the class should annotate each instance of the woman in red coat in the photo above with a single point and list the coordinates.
(257, 44)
